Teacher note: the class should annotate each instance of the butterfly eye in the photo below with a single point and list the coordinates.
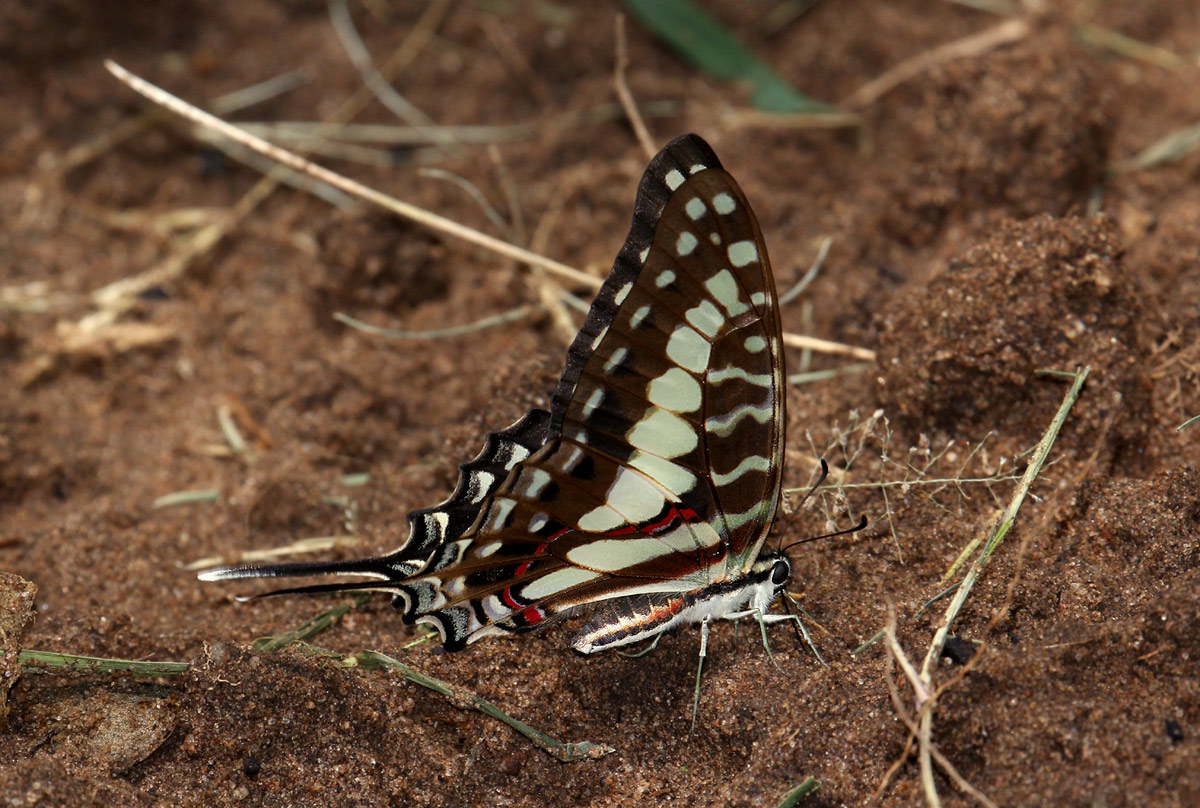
(780, 572)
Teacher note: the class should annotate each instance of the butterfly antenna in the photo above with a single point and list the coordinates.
(862, 523)
(820, 479)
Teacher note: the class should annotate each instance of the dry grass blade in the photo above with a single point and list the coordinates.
(519, 313)
(810, 275)
(187, 498)
(828, 346)
(1041, 451)
(315, 544)
(398, 105)
(1130, 47)
(431, 220)
(1169, 149)
(295, 162)
(974, 45)
(623, 92)
(926, 751)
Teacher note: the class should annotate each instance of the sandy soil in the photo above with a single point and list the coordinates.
(979, 238)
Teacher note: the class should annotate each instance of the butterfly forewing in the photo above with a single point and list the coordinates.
(681, 376)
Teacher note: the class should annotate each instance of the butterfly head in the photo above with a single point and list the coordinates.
(771, 571)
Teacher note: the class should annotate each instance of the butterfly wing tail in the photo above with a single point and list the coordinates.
(385, 570)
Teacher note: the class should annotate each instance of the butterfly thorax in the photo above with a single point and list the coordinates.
(629, 620)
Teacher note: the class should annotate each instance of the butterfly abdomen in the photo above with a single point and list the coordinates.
(642, 617)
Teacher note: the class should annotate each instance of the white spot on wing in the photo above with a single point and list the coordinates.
(695, 208)
(614, 361)
(676, 390)
(599, 337)
(539, 521)
(436, 524)
(706, 318)
(724, 424)
(489, 549)
(573, 459)
(593, 402)
(538, 480)
(671, 476)
(735, 520)
(685, 244)
(742, 253)
(644, 254)
(611, 555)
(634, 497)
(556, 582)
(748, 464)
(723, 203)
(638, 316)
(498, 513)
(724, 287)
(725, 374)
(663, 433)
(494, 608)
(697, 168)
(688, 349)
(510, 454)
(665, 278)
(600, 519)
(623, 292)
(673, 179)
(481, 483)
(755, 344)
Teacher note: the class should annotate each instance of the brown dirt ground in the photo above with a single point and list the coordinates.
(977, 240)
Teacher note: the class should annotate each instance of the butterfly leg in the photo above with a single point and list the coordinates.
(637, 654)
(763, 620)
(700, 669)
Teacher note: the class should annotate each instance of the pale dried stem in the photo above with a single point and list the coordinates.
(974, 45)
(623, 92)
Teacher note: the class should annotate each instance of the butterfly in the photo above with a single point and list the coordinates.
(648, 489)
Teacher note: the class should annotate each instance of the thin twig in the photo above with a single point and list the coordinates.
(828, 346)
(360, 57)
(631, 110)
(519, 313)
(314, 544)
(1006, 32)
(297, 163)
(810, 276)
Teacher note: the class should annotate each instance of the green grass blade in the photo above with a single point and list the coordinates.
(60, 664)
(793, 797)
(463, 699)
(704, 42)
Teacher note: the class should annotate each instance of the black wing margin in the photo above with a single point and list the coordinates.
(682, 154)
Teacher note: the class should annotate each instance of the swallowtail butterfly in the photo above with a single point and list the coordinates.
(648, 489)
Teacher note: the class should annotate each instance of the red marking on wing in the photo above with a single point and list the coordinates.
(508, 599)
(523, 567)
(533, 615)
(669, 520)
